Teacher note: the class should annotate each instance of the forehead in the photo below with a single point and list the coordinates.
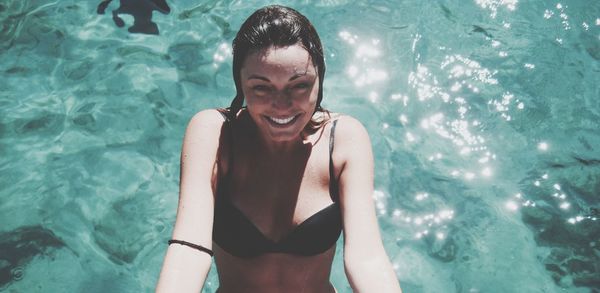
(281, 60)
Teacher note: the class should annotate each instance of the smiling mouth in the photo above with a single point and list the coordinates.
(283, 121)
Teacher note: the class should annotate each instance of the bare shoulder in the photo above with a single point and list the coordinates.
(207, 117)
(205, 123)
(349, 129)
(351, 138)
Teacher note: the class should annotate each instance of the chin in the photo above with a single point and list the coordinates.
(284, 137)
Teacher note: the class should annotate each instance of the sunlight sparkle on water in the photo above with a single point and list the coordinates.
(421, 196)
(403, 98)
(465, 67)
(543, 146)
(414, 43)
(348, 37)
(511, 205)
(367, 51)
(493, 5)
(380, 197)
(223, 53)
(436, 156)
(446, 214)
(352, 70)
(373, 96)
(486, 172)
(403, 118)
(433, 121)
(426, 88)
(455, 87)
(575, 219)
(362, 70)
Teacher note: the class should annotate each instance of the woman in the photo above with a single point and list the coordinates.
(273, 183)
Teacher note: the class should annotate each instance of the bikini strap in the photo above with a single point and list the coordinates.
(222, 112)
(333, 184)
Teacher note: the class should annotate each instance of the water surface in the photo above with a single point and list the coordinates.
(484, 118)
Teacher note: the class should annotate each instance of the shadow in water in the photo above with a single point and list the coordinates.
(20, 246)
(141, 10)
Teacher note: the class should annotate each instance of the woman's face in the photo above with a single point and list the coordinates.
(281, 86)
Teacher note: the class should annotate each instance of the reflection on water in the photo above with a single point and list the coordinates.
(483, 116)
(493, 5)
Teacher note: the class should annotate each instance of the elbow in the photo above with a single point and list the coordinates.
(363, 263)
(371, 272)
(355, 257)
(360, 266)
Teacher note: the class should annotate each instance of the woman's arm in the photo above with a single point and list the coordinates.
(366, 263)
(184, 268)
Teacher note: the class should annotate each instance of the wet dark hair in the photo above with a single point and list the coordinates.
(277, 26)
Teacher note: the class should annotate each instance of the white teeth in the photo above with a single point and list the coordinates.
(282, 121)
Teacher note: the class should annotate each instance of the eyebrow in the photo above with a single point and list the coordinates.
(297, 75)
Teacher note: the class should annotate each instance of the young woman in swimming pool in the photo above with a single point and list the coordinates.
(274, 183)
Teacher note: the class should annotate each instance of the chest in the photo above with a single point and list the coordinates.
(282, 204)
(279, 194)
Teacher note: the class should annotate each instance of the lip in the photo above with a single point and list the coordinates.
(277, 125)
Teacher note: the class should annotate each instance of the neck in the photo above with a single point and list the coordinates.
(276, 148)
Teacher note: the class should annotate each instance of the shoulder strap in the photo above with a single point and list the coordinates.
(222, 112)
(333, 184)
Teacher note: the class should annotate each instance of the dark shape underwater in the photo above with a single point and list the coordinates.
(20, 246)
(141, 10)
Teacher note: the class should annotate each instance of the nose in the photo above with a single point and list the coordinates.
(281, 100)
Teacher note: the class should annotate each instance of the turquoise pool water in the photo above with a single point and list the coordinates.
(484, 117)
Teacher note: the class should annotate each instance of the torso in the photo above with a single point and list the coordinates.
(276, 195)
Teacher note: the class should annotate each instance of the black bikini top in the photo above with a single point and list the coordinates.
(237, 235)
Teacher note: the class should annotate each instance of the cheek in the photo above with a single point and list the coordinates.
(253, 99)
(314, 95)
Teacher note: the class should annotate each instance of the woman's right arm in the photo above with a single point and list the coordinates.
(184, 268)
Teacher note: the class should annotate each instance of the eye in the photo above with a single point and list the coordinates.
(261, 89)
(302, 86)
